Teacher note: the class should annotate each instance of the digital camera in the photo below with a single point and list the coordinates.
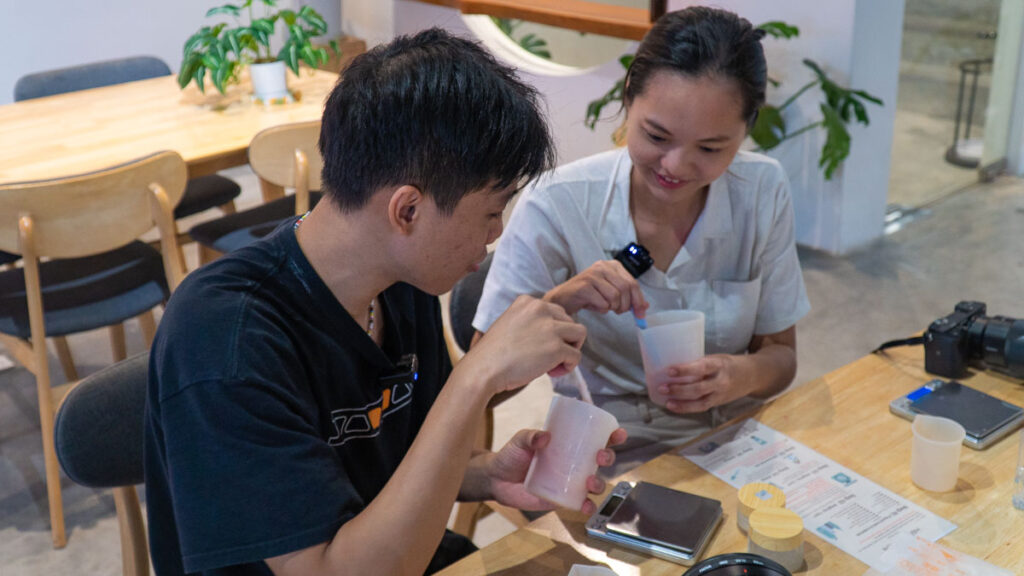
(968, 337)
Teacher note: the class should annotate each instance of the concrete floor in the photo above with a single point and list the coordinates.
(919, 173)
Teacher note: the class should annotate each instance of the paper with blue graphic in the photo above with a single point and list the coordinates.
(853, 513)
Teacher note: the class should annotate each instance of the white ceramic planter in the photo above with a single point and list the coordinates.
(268, 80)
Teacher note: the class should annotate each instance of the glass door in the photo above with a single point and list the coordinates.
(1000, 113)
(946, 77)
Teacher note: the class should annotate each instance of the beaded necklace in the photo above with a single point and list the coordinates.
(373, 302)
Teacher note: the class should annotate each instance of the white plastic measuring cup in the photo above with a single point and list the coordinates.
(578, 430)
(671, 337)
(935, 454)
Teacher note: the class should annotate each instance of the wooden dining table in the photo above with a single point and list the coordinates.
(843, 415)
(83, 131)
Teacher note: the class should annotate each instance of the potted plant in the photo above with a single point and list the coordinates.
(224, 50)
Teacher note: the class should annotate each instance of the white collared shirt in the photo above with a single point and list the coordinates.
(739, 264)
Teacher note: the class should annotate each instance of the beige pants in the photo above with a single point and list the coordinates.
(653, 430)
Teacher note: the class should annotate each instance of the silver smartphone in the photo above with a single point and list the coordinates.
(986, 418)
(666, 523)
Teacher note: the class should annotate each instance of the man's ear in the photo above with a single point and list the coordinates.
(404, 208)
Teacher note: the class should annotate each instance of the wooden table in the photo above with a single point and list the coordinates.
(87, 130)
(843, 415)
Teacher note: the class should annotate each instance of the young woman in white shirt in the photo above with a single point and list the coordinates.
(717, 221)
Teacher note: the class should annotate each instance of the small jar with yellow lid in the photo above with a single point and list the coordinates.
(754, 496)
(777, 534)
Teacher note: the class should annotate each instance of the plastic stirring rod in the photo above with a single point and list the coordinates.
(641, 323)
(581, 385)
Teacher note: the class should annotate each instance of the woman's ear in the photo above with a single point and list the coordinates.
(404, 208)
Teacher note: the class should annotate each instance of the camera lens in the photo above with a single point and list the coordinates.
(998, 341)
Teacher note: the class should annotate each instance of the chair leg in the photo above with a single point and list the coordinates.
(46, 417)
(469, 512)
(181, 258)
(180, 250)
(148, 325)
(134, 553)
(466, 517)
(228, 208)
(514, 516)
(270, 191)
(207, 255)
(67, 362)
(117, 342)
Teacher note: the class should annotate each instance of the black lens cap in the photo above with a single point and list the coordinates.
(737, 564)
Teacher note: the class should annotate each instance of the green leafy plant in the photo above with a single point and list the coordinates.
(531, 42)
(839, 107)
(223, 51)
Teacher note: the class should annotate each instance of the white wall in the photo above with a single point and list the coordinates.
(875, 62)
(1015, 152)
(565, 90)
(856, 41)
(1002, 116)
(36, 36)
(371, 20)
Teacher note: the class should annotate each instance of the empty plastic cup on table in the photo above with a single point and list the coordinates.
(935, 454)
(672, 337)
(559, 471)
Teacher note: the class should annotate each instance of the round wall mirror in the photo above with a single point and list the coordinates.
(563, 46)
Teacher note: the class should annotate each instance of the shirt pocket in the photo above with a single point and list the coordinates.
(733, 315)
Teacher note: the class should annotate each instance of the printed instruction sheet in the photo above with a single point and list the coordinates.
(856, 515)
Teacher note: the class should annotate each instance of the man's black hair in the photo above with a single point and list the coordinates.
(434, 111)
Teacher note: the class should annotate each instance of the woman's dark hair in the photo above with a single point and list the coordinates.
(703, 42)
(434, 111)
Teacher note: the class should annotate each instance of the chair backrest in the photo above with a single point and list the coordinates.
(90, 213)
(87, 76)
(288, 156)
(99, 427)
(463, 302)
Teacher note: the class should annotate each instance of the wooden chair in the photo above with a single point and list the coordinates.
(458, 335)
(283, 157)
(99, 434)
(68, 221)
(201, 193)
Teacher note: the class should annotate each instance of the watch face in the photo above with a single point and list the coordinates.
(737, 564)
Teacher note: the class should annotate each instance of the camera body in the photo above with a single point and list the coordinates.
(635, 259)
(969, 337)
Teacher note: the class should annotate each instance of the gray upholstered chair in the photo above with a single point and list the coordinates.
(284, 156)
(458, 333)
(463, 302)
(99, 436)
(202, 193)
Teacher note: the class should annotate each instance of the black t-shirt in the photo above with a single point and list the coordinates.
(272, 417)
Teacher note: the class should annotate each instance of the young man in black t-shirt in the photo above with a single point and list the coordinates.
(303, 416)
